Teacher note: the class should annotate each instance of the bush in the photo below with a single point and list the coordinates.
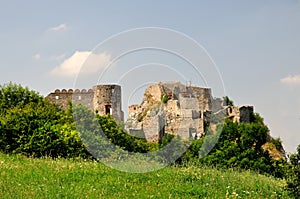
(12, 95)
(293, 175)
(228, 101)
(32, 126)
(164, 98)
(239, 145)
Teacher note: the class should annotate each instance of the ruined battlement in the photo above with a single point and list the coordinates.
(71, 91)
(134, 108)
(105, 99)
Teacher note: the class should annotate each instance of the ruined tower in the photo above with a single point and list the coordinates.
(105, 99)
(108, 100)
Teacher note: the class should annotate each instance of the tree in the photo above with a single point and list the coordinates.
(293, 178)
(228, 101)
(12, 95)
(32, 126)
(239, 145)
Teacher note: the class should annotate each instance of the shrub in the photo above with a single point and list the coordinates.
(228, 101)
(293, 175)
(239, 145)
(32, 126)
(164, 98)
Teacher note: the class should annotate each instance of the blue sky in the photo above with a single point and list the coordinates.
(255, 44)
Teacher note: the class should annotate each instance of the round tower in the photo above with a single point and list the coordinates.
(108, 100)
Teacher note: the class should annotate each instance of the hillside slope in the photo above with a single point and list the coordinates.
(39, 178)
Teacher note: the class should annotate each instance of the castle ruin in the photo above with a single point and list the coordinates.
(183, 110)
(104, 99)
(167, 107)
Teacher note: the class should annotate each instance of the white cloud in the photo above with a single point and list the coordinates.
(73, 65)
(291, 80)
(36, 57)
(60, 27)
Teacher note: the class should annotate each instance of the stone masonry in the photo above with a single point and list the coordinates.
(174, 108)
(105, 99)
(167, 107)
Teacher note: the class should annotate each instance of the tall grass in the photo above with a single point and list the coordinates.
(22, 177)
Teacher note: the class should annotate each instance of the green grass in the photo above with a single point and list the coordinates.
(22, 177)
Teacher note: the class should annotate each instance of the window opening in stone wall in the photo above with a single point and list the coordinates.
(56, 97)
(79, 97)
(108, 110)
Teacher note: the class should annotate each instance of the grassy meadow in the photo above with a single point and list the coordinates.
(22, 177)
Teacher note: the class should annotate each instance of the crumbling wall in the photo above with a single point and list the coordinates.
(107, 100)
(62, 97)
(133, 109)
(246, 113)
(204, 97)
(218, 104)
(240, 114)
(153, 124)
(181, 114)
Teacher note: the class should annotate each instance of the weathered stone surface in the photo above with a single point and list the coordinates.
(153, 124)
(180, 115)
(106, 99)
(186, 113)
(240, 114)
(167, 107)
(245, 113)
(62, 97)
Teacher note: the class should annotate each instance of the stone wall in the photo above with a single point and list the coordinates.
(240, 114)
(204, 97)
(182, 114)
(218, 104)
(154, 124)
(106, 99)
(134, 109)
(246, 113)
(62, 97)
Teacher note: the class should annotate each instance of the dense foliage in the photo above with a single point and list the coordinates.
(103, 137)
(239, 145)
(32, 126)
(293, 176)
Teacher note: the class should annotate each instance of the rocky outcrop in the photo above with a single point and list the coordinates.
(186, 111)
(170, 107)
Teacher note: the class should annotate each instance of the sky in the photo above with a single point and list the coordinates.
(254, 45)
